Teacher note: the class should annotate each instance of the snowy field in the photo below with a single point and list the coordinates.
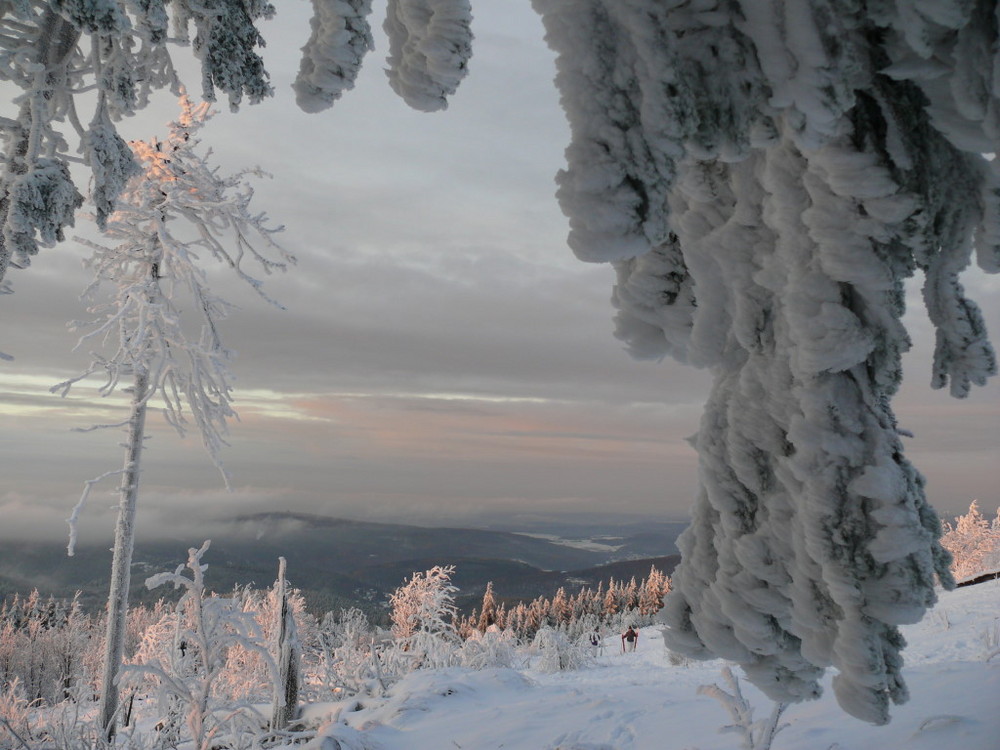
(640, 701)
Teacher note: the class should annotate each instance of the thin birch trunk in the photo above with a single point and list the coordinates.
(121, 563)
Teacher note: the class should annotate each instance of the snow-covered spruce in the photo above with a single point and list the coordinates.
(765, 176)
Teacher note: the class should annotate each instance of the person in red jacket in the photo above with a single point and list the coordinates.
(629, 639)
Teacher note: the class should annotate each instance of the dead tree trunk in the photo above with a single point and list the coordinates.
(286, 692)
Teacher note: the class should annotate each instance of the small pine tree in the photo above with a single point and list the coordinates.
(488, 613)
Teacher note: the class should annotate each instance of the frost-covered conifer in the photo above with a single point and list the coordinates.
(488, 612)
(765, 176)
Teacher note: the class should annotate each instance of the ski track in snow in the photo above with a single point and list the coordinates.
(639, 701)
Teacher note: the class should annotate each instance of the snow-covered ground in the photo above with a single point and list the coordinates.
(640, 701)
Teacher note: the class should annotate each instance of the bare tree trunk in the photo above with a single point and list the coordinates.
(121, 563)
(286, 694)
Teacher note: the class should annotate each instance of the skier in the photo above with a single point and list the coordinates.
(595, 642)
(629, 639)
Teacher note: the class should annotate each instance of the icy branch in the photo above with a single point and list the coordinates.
(754, 735)
(78, 508)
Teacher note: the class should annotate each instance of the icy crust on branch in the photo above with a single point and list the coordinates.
(225, 40)
(639, 94)
(764, 178)
(112, 163)
(430, 43)
(38, 204)
(331, 59)
(947, 49)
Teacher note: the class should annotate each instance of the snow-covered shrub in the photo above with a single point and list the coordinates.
(494, 648)
(348, 664)
(17, 727)
(558, 653)
(974, 544)
(423, 614)
(44, 645)
(585, 626)
(247, 675)
(186, 675)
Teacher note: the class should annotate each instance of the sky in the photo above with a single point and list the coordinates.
(442, 358)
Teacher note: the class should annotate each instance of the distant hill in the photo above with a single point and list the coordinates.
(340, 563)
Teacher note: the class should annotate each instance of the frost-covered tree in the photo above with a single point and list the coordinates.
(764, 176)
(423, 613)
(652, 591)
(176, 210)
(974, 543)
(57, 53)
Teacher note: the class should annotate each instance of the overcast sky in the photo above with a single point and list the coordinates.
(443, 357)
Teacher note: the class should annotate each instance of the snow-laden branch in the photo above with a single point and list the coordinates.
(331, 59)
(430, 43)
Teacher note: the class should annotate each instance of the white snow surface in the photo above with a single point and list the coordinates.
(640, 701)
(585, 544)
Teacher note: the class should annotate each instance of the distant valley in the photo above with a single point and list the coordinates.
(341, 563)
